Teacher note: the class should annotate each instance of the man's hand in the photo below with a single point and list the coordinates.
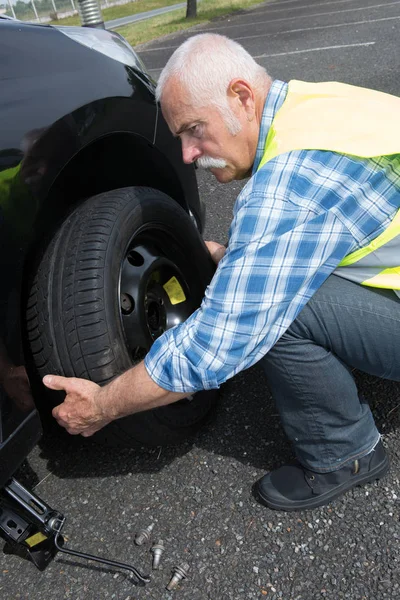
(83, 410)
(216, 250)
(89, 407)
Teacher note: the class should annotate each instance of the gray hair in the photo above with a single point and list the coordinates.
(205, 65)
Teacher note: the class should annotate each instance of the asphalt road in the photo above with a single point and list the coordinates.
(198, 495)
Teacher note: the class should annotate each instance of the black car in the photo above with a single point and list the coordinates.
(101, 247)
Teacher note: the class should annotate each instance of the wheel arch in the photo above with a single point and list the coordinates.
(113, 161)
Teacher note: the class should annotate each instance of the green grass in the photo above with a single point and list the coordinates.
(124, 10)
(156, 27)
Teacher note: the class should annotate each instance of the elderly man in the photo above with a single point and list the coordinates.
(305, 285)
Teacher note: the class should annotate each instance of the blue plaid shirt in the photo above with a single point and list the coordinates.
(293, 222)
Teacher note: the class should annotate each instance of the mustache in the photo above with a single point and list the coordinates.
(206, 162)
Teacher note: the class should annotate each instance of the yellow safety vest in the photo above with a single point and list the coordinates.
(350, 120)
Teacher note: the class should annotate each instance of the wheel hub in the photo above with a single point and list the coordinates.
(154, 295)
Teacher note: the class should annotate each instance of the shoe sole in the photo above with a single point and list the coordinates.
(377, 473)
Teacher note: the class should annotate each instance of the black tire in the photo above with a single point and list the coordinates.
(98, 302)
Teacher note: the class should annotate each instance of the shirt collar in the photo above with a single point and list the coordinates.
(275, 98)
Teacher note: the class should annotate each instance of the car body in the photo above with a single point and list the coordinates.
(78, 117)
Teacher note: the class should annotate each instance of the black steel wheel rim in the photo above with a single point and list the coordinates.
(155, 289)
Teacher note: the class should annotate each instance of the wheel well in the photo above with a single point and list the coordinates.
(114, 161)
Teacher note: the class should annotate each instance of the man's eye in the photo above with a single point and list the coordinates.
(196, 130)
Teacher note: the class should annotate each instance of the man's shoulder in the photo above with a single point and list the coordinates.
(298, 173)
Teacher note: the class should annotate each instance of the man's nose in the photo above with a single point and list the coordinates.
(190, 152)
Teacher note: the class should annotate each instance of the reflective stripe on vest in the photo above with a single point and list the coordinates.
(349, 120)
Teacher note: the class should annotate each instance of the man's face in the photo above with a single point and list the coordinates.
(205, 135)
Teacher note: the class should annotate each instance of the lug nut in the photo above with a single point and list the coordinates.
(143, 535)
(157, 551)
(178, 574)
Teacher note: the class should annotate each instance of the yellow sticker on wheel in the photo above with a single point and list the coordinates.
(175, 291)
(35, 539)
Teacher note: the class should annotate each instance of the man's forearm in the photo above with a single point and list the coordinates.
(134, 391)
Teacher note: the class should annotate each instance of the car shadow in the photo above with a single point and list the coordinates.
(248, 427)
(245, 427)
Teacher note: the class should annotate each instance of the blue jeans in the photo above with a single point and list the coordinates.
(343, 326)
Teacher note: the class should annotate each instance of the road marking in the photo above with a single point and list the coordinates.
(299, 51)
(313, 50)
(293, 1)
(321, 14)
(275, 10)
(250, 37)
(288, 30)
(272, 4)
(159, 69)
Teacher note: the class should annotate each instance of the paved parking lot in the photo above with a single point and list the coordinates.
(199, 494)
(354, 41)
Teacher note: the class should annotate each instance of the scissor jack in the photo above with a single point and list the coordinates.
(33, 528)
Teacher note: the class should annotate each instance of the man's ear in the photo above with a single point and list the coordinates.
(240, 91)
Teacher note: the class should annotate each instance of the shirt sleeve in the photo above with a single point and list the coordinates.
(279, 254)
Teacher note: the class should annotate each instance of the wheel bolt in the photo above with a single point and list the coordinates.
(127, 304)
(157, 551)
(143, 535)
(179, 573)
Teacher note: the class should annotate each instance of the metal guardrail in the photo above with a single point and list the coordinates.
(44, 11)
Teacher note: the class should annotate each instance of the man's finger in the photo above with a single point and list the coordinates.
(56, 410)
(72, 430)
(90, 432)
(64, 422)
(59, 418)
(57, 382)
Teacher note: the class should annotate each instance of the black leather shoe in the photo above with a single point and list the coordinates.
(293, 487)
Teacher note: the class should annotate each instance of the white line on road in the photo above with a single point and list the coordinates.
(268, 33)
(313, 50)
(250, 37)
(275, 10)
(321, 14)
(271, 6)
(294, 1)
(296, 52)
